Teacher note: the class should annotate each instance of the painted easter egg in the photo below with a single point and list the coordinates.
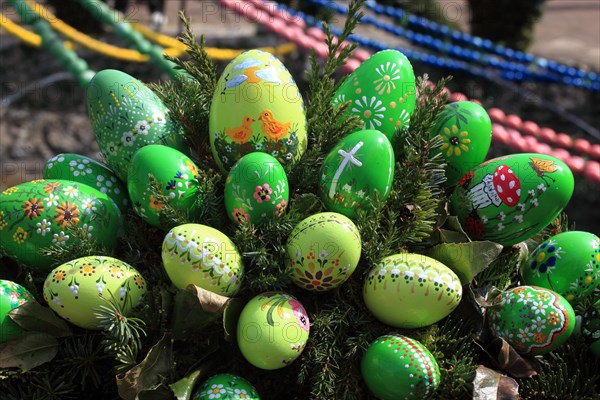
(75, 290)
(203, 256)
(397, 367)
(12, 295)
(256, 107)
(509, 199)
(323, 251)
(590, 327)
(272, 330)
(360, 164)
(465, 130)
(424, 289)
(82, 169)
(256, 189)
(226, 387)
(567, 263)
(174, 175)
(39, 214)
(382, 92)
(531, 319)
(125, 116)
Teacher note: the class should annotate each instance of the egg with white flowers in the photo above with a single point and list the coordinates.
(12, 295)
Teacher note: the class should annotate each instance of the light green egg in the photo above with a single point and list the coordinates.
(12, 295)
(225, 387)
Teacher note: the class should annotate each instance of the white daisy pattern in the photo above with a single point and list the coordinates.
(71, 191)
(159, 118)
(387, 75)
(43, 227)
(142, 127)
(128, 138)
(370, 111)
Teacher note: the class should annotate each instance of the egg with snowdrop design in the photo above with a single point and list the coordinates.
(12, 295)
(195, 254)
(161, 176)
(411, 291)
(225, 387)
(509, 199)
(37, 215)
(567, 263)
(125, 116)
(256, 189)
(381, 92)
(77, 289)
(82, 169)
(531, 319)
(257, 106)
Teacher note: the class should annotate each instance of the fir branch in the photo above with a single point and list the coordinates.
(81, 359)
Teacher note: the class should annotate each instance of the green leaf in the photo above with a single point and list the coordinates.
(466, 259)
(28, 351)
(184, 387)
(32, 316)
(150, 372)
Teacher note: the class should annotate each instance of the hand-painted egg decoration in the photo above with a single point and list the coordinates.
(591, 327)
(82, 169)
(509, 199)
(203, 256)
(256, 107)
(126, 115)
(398, 367)
(12, 295)
(323, 251)
(567, 263)
(533, 320)
(465, 130)
(256, 189)
(174, 176)
(75, 290)
(360, 164)
(272, 330)
(225, 387)
(39, 214)
(411, 291)
(382, 92)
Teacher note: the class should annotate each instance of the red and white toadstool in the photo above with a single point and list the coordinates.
(502, 186)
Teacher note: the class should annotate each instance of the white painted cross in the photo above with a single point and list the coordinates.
(347, 158)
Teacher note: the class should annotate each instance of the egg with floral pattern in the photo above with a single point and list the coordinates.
(531, 319)
(397, 367)
(509, 199)
(358, 166)
(465, 130)
(590, 327)
(411, 291)
(12, 295)
(161, 176)
(82, 169)
(323, 251)
(272, 330)
(257, 106)
(195, 254)
(37, 215)
(225, 387)
(567, 263)
(75, 290)
(256, 189)
(125, 116)
(381, 91)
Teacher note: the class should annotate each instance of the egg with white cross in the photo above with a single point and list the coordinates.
(357, 170)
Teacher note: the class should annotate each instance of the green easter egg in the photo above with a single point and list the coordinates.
(126, 115)
(225, 387)
(531, 319)
(591, 327)
(323, 251)
(360, 164)
(256, 106)
(82, 169)
(174, 174)
(272, 330)
(509, 199)
(567, 263)
(466, 133)
(12, 295)
(256, 189)
(411, 291)
(382, 92)
(39, 214)
(398, 367)
(203, 256)
(75, 290)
